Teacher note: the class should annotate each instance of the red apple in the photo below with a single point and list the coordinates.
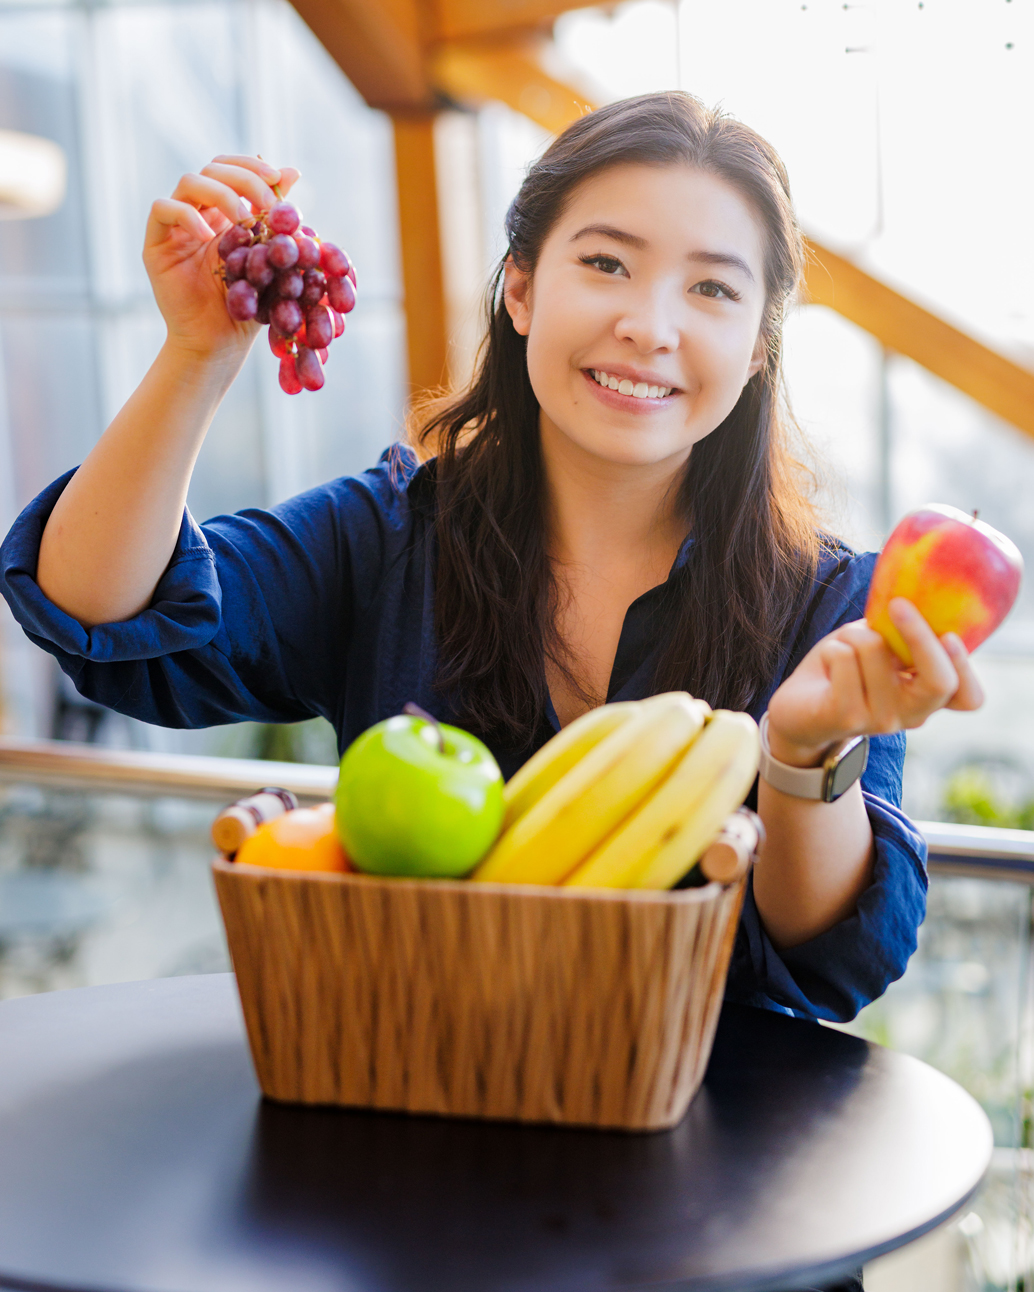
(960, 574)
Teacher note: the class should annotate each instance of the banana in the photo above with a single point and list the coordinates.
(734, 769)
(660, 842)
(545, 844)
(544, 768)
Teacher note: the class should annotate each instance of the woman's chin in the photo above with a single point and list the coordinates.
(631, 450)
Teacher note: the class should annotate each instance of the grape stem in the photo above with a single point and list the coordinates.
(415, 711)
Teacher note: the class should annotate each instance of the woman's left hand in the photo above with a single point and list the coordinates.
(852, 684)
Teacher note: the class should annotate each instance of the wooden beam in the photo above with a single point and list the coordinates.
(510, 72)
(378, 44)
(458, 19)
(422, 279)
(998, 383)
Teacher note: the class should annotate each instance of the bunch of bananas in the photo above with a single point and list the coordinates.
(627, 796)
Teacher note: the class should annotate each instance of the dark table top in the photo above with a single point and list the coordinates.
(136, 1155)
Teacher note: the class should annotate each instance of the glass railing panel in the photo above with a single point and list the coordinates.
(105, 856)
(99, 888)
(964, 1006)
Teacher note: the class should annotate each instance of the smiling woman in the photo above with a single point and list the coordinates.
(610, 512)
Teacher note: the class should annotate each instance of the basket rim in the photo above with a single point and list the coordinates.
(667, 897)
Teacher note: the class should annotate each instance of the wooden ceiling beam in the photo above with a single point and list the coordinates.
(379, 45)
(460, 19)
(510, 72)
(999, 384)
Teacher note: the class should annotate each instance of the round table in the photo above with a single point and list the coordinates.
(137, 1155)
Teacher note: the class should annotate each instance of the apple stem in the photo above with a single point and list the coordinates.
(415, 711)
(976, 513)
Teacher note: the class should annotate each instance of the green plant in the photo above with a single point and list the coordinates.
(971, 798)
(294, 742)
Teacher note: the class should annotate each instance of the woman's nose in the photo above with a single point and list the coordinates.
(649, 323)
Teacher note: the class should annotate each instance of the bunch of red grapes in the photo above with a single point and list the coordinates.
(278, 272)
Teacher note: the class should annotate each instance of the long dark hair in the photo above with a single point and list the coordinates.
(754, 548)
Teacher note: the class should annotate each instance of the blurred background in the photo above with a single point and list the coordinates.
(905, 126)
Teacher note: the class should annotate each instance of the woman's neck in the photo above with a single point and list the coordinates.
(606, 514)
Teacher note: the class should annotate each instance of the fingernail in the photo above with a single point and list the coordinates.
(954, 643)
(243, 210)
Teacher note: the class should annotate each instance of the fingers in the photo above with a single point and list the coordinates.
(934, 680)
(285, 178)
(931, 661)
(846, 684)
(219, 192)
(201, 191)
(896, 697)
(970, 694)
(878, 680)
(243, 182)
(168, 214)
(215, 219)
(268, 173)
(852, 683)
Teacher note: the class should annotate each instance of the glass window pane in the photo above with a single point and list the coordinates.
(48, 255)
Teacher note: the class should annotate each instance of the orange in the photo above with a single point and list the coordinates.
(304, 839)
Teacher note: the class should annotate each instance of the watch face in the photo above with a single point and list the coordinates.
(850, 765)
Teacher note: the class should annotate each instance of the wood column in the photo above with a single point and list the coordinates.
(422, 277)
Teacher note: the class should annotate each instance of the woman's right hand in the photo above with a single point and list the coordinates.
(181, 256)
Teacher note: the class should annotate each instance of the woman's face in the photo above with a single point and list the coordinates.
(651, 281)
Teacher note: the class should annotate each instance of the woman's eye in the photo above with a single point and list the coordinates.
(715, 290)
(608, 264)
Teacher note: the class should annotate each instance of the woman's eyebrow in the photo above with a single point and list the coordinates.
(722, 258)
(609, 231)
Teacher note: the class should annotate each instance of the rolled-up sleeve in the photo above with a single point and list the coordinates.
(834, 975)
(250, 620)
(184, 613)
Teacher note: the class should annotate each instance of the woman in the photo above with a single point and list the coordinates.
(611, 512)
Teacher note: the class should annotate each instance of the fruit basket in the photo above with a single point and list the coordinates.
(514, 1002)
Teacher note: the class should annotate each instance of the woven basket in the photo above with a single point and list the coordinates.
(592, 1008)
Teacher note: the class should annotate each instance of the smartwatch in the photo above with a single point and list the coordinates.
(842, 766)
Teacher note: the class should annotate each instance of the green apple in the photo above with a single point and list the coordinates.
(418, 798)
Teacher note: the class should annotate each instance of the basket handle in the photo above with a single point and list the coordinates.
(736, 847)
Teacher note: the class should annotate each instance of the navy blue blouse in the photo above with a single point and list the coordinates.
(324, 606)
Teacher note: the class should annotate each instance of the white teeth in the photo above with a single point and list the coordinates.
(638, 390)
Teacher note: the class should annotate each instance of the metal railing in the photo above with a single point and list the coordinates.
(980, 851)
(65, 765)
(983, 852)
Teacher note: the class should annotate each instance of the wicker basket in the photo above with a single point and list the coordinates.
(591, 1008)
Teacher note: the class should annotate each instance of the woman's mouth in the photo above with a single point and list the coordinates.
(625, 386)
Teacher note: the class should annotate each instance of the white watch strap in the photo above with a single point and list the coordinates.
(801, 782)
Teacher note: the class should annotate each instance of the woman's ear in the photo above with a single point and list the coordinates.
(759, 357)
(517, 296)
